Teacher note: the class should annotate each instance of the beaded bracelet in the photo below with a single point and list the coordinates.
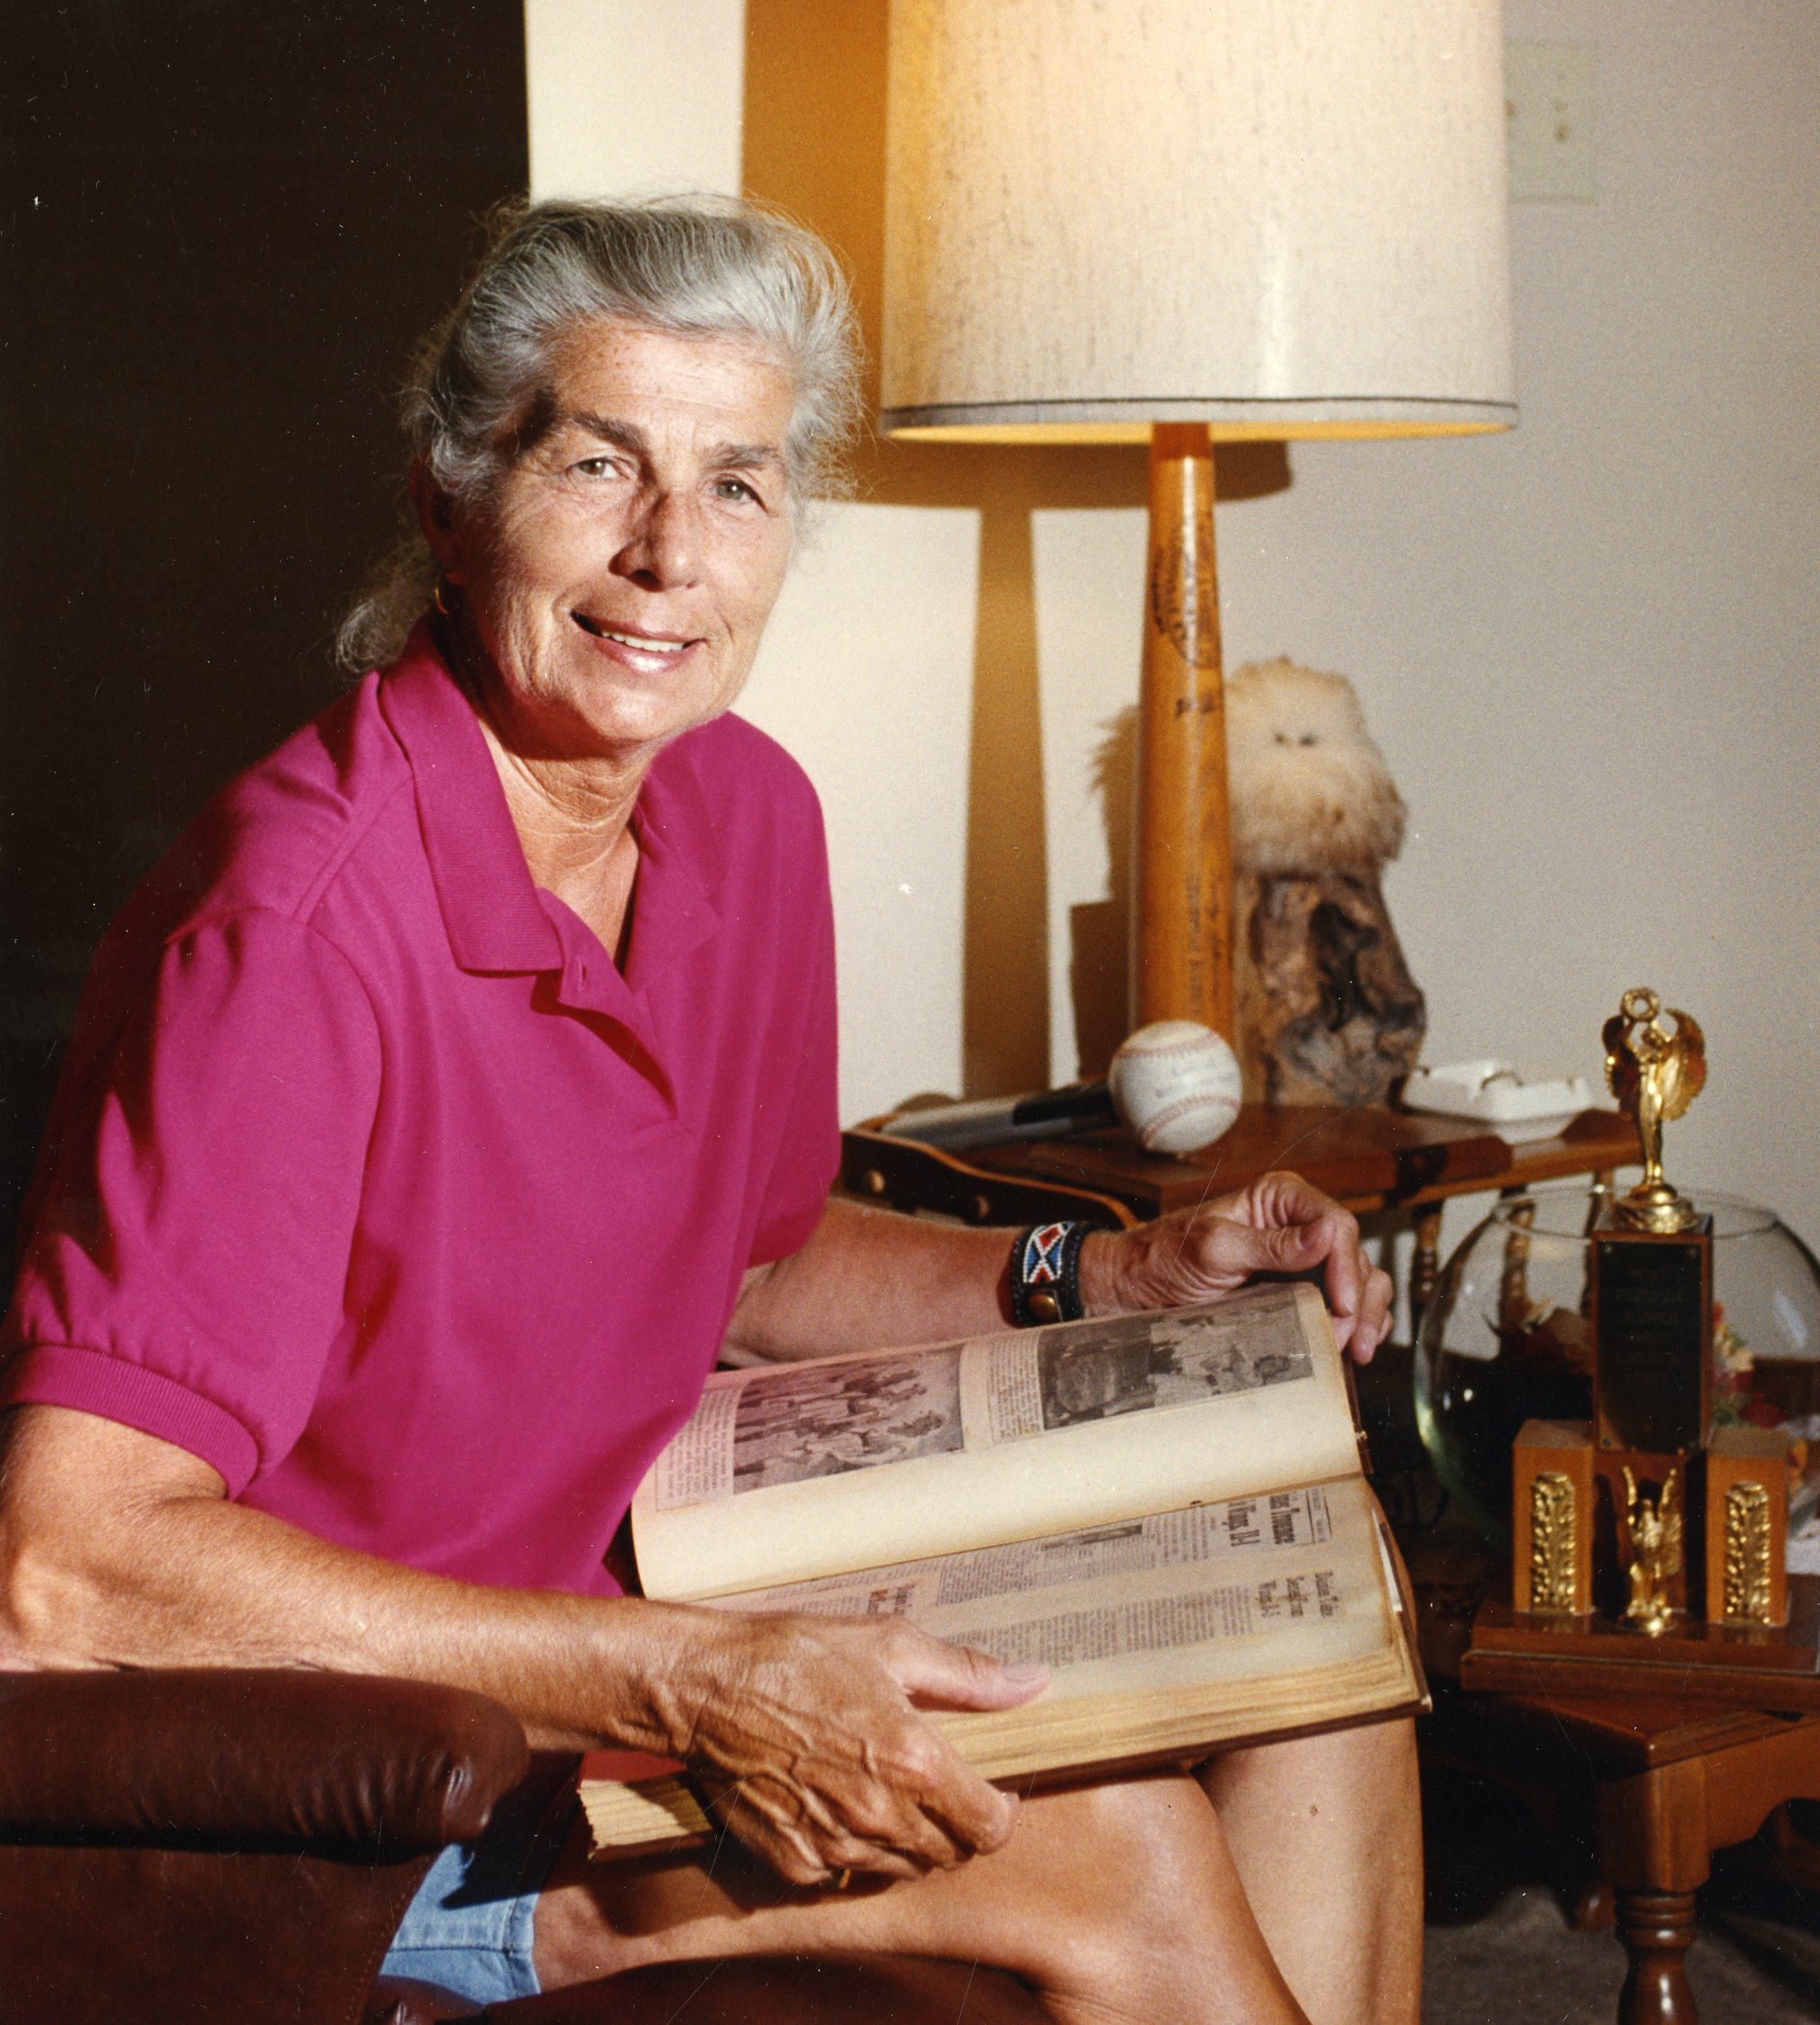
(1045, 1274)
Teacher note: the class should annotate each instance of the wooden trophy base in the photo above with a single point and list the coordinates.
(1761, 1666)
(1741, 1629)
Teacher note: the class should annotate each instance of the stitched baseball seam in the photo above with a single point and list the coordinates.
(1151, 1052)
(1183, 1105)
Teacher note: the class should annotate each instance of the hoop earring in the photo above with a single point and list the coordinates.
(439, 600)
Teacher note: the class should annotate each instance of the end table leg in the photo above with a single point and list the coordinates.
(1656, 1928)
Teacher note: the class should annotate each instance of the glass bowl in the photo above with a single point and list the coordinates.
(1506, 1336)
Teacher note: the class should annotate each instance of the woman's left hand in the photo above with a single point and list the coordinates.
(1279, 1224)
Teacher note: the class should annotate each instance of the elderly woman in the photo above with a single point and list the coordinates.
(453, 1092)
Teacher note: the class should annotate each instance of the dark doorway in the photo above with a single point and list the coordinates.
(225, 224)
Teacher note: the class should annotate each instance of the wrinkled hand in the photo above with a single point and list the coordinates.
(1279, 1224)
(804, 1734)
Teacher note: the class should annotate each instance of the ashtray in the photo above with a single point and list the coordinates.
(1494, 1092)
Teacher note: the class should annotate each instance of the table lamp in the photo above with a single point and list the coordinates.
(1186, 222)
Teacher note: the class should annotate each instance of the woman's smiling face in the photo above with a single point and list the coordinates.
(620, 573)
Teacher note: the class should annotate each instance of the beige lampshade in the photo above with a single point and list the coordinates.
(1283, 218)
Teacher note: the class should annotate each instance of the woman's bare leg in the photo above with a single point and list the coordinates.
(831, 1990)
(1115, 1903)
(1327, 1835)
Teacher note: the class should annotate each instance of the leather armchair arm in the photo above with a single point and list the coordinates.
(348, 1764)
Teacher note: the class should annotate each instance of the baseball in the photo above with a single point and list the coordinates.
(1175, 1086)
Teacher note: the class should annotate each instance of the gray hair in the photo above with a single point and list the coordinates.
(697, 266)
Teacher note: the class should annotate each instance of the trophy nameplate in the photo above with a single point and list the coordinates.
(1652, 1253)
(1652, 1337)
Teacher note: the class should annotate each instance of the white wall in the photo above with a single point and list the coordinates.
(625, 95)
(1591, 650)
(866, 675)
(867, 669)
(1593, 654)
(1587, 649)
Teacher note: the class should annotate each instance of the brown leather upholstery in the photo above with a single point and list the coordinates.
(334, 1762)
(204, 1937)
(224, 1847)
(221, 1845)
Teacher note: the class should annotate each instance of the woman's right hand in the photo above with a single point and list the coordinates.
(804, 1732)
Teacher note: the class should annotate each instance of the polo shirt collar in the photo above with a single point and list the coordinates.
(491, 908)
(673, 911)
(483, 885)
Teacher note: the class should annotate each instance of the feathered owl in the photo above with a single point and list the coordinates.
(1328, 1011)
(1311, 791)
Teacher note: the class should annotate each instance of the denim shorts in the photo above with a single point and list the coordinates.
(469, 1929)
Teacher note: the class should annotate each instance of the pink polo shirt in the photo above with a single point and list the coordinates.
(374, 1182)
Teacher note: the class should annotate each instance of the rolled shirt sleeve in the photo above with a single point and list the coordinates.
(188, 1262)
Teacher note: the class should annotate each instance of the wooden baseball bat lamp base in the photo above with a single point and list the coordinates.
(1182, 917)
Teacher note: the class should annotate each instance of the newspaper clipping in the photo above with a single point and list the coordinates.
(1143, 1364)
(1241, 1528)
(814, 1419)
(755, 1430)
(1260, 1567)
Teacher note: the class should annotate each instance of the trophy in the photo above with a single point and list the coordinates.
(1652, 1254)
(1655, 1075)
(1602, 1508)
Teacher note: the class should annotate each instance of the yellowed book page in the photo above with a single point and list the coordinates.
(1273, 1582)
(1179, 1629)
(806, 1470)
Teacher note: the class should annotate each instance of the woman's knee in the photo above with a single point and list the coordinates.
(1153, 1921)
(1365, 1769)
(1137, 1853)
(1131, 1834)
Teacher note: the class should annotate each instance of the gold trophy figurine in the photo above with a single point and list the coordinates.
(1655, 1529)
(1655, 1075)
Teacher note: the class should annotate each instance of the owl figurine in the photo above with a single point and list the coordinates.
(1328, 1012)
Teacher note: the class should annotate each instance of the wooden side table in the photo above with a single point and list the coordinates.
(1673, 1779)
(1370, 1158)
